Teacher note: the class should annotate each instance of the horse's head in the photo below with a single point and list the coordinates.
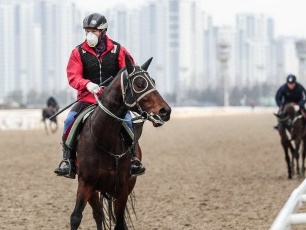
(287, 115)
(140, 94)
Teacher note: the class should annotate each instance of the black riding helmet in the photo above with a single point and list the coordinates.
(95, 21)
(291, 78)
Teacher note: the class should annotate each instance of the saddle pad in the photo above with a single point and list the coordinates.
(72, 136)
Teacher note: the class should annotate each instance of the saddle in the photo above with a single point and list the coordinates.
(77, 125)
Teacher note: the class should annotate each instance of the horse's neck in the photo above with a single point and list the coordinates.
(106, 125)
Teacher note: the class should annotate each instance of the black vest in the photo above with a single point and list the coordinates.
(97, 70)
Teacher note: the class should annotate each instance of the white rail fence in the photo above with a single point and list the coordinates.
(289, 215)
(26, 119)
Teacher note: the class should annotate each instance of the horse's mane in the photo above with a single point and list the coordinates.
(120, 71)
(289, 109)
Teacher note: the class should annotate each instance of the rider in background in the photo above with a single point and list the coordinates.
(90, 63)
(291, 91)
(52, 104)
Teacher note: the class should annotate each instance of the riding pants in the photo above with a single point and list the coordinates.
(79, 107)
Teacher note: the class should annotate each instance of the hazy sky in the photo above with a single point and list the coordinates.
(289, 15)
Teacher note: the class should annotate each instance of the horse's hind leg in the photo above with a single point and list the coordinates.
(303, 157)
(96, 209)
(83, 195)
(45, 125)
(297, 156)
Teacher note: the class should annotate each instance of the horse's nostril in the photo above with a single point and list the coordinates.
(163, 112)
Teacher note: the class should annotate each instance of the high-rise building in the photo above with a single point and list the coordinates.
(287, 61)
(254, 58)
(37, 37)
(8, 49)
(61, 29)
(172, 32)
(36, 40)
(25, 38)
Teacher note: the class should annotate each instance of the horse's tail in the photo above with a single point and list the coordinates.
(108, 216)
(132, 202)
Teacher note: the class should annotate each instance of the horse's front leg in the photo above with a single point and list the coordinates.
(303, 157)
(292, 151)
(96, 206)
(119, 208)
(297, 156)
(46, 128)
(83, 195)
(287, 158)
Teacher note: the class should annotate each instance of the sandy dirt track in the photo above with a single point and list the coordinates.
(222, 172)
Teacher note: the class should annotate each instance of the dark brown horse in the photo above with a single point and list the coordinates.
(103, 156)
(50, 125)
(292, 128)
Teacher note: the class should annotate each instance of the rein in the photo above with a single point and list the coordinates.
(296, 118)
(107, 111)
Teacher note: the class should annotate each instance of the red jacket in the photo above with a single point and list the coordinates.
(75, 68)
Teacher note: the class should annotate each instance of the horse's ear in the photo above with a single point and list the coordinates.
(145, 65)
(128, 64)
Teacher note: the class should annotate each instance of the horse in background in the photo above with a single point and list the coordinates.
(104, 154)
(52, 108)
(291, 127)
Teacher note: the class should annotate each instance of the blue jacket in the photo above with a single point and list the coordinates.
(285, 95)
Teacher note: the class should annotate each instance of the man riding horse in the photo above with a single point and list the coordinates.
(52, 104)
(91, 63)
(291, 91)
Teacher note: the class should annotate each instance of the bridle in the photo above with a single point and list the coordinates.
(131, 96)
(288, 121)
(285, 122)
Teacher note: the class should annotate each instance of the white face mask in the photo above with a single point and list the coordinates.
(92, 39)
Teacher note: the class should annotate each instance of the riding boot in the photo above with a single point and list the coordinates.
(67, 167)
(137, 168)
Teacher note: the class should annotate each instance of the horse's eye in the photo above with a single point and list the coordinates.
(140, 83)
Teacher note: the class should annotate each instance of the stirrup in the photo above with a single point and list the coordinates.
(137, 168)
(61, 171)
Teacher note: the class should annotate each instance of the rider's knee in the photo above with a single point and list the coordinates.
(128, 119)
(70, 118)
